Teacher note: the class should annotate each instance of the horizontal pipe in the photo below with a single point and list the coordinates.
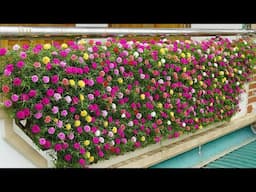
(45, 32)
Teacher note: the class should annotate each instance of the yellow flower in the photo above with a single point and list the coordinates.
(88, 118)
(190, 82)
(81, 83)
(72, 82)
(188, 55)
(223, 97)
(221, 111)
(184, 69)
(160, 105)
(105, 123)
(47, 46)
(81, 42)
(188, 41)
(142, 96)
(83, 113)
(203, 67)
(86, 56)
(81, 97)
(183, 55)
(172, 114)
(87, 142)
(214, 85)
(200, 127)
(196, 119)
(120, 80)
(224, 80)
(77, 123)
(215, 80)
(171, 92)
(221, 73)
(55, 120)
(46, 60)
(142, 138)
(159, 64)
(201, 83)
(235, 70)
(88, 154)
(68, 126)
(219, 58)
(162, 51)
(243, 56)
(114, 130)
(64, 46)
(91, 159)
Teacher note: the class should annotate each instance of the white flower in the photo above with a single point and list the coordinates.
(164, 40)
(101, 139)
(120, 95)
(108, 89)
(237, 83)
(226, 81)
(112, 143)
(97, 133)
(194, 99)
(16, 47)
(215, 65)
(90, 49)
(113, 106)
(138, 115)
(195, 80)
(160, 81)
(153, 114)
(119, 45)
(213, 75)
(123, 115)
(208, 51)
(163, 61)
(130, 42)
(245, 42)
(68, 99)
(130, 123)
(177, 41)
(169, 122)
(133, 139)
(183, 124)
(193, 91)
(142, 76)
(136, 54)
(225, 60)
(110, 134)
(199, 51)
(204, 74)
(179, 51)
(240, 72)
(168, 78)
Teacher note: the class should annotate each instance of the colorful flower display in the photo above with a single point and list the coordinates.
(91, 100)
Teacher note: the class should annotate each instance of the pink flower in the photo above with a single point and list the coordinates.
(55, 79)
(3, 51)
(15, 97)
(38, 106)
(87, 128)
(57, 96)
(32, 93)
(68, 157)
(81, 162)
(71, 136)
(23, 55)
(20, 64)
(46, 79)
(35, 129)
(51, 130)
(20, 115)
(17, 81)
(90, 97)
(38, 115)
(7, 72)
(37, 64)
(99, 79)
(61, 136)
(55, 109)
(42, 141)
(64, 113)
(8, 103)
(34, 78)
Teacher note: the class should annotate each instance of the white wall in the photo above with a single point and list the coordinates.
(9, 157)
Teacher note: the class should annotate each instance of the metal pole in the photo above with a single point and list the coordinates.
(45, 32)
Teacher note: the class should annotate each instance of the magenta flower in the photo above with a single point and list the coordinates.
(81, 162)
(58, 147)
(50, 92)
(20, 115)
(32, 93)
(23, 55)
(99, 79)
(45, 101)
(17, 81)
(35, 129)
(68, 157)
(20, 64)
(38, 106)
(3, 51)
(55, 79)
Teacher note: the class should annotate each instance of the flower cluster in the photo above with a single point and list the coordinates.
(90, 100)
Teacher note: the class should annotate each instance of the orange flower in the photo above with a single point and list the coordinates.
(47, 119)
(5, 89)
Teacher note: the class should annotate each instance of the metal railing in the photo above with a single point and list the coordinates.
(14, 32)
